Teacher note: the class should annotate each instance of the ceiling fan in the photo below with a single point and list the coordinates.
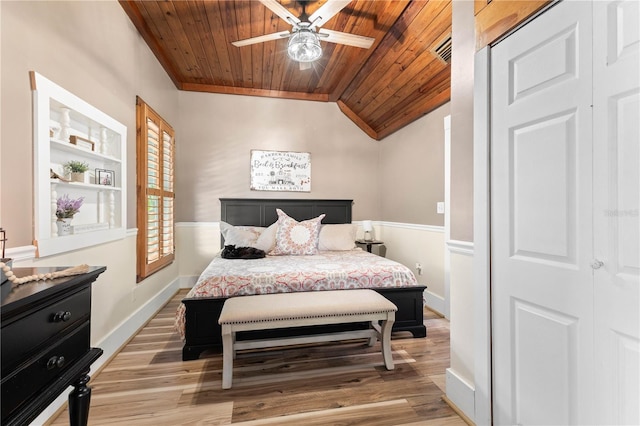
(304, 37)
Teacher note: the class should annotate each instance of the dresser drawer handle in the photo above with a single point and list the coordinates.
(62, 316)
(55, 361)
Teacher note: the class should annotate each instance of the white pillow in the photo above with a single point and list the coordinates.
(337, 237)
(240, 236)
(267, 240)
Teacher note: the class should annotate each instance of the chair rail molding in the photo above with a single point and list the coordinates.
(21, 253)
(460, 247)
(415, 226)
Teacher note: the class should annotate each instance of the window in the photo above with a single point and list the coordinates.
(155, 175)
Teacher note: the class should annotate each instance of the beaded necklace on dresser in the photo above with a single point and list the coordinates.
(76, 270)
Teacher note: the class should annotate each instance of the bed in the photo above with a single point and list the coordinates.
(197, 316)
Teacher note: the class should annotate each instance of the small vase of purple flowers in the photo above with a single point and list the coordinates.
(65, 210)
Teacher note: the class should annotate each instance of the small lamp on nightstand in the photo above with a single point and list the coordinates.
(367, 226)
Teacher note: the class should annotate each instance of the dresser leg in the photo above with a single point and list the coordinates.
(80, 401)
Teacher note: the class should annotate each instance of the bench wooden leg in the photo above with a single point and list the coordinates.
(228, 353)
(233, 341)
(385, 339)
(374, 337)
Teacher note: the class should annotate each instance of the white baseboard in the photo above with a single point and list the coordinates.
(461, 393)
(112, 343)
(434, 302)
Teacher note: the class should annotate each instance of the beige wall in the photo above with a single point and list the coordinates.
(462, 120)
(92, 50)
(411, 175)
(216, 134)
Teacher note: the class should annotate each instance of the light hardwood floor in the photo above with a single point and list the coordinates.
(147, 383)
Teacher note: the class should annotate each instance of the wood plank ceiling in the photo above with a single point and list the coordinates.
(381, 89)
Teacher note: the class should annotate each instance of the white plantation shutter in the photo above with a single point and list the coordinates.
(156, 150)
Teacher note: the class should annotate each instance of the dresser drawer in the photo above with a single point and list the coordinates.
(21, 337)
(28, 381)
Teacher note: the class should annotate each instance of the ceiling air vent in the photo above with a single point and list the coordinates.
(443, 50)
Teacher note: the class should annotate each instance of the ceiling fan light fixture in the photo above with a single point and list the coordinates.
(304, 46)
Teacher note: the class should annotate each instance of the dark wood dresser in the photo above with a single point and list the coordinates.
(45, 338)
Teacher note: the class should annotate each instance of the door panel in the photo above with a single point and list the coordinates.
(534, 327)
(559, 55)
(544, 221)
(617, 210)
(541, 220)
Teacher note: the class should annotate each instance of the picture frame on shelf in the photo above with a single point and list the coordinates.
(81, 142)
(105, 177)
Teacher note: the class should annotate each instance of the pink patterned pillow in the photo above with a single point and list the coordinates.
(296, 238)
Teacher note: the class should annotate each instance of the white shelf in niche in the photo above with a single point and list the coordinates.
(58, 113)
(68, 147)
(93, 186)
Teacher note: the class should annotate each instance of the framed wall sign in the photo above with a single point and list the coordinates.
(280, 171)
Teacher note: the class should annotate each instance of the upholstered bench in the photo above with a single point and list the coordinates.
(284, 310)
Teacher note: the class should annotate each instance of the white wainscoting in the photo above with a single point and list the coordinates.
(411, 244)
(460, 376)
(196, 244)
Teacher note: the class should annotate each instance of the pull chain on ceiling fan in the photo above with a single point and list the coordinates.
(304, 37)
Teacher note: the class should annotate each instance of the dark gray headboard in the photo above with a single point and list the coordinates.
(262, 212)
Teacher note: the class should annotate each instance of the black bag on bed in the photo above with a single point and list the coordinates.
(233, 252)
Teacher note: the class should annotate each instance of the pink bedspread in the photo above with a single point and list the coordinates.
(328, 270)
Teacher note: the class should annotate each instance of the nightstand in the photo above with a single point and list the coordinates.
(369, 243)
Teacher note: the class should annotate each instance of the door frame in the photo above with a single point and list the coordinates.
(482, 237)
(447, 215)
(483, 370)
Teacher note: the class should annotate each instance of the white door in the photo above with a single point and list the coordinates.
(541, 220)
(616, 211)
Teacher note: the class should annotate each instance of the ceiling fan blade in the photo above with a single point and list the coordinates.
(345, 38)
(327, 11)
(262, 38)
(281, 11)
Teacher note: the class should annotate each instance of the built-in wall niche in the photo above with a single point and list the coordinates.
(66, 129)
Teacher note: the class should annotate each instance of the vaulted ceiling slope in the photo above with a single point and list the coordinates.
(381, 89)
